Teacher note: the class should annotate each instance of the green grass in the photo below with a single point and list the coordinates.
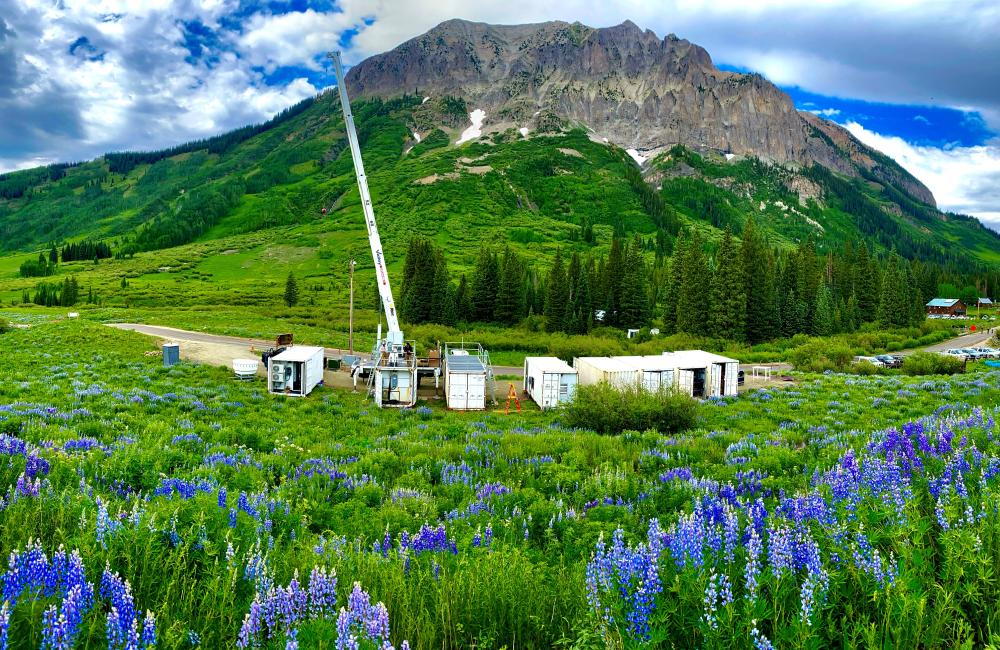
(76, 380)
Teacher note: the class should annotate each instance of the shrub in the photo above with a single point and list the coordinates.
(607, 409)
(4, 326)
(866, 368)
(932, 363)
(819, 355)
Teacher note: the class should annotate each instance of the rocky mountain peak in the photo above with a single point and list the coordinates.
(625, 84)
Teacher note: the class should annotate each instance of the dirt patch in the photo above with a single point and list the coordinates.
(480, 170)
(230, 251)
(571, 152)
(434, 178)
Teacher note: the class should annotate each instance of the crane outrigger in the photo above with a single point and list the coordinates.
(392, 370)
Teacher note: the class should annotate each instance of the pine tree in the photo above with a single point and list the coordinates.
(442, 298)
(634, 300)
(581, 310)
(485, 284)
(557, 296)
(867, 285)
(762, 296)
(728, 316)
(291, 291)
(611, 283)
(675, 278)
(823, 314)
(53, 255)
(463, 306)
(510, 307)
(694, 293)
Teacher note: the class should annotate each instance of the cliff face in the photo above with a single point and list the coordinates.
(623, 83)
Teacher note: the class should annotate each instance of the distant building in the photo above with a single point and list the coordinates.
(946, 306)
(985, 302)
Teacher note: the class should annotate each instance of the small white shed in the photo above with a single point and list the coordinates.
(296, 371)
(703, 374)
(549, 381)
(464, 381)
(594, 370)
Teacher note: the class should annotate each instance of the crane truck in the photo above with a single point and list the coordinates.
(392, 369)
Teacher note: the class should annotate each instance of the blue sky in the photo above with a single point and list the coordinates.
(917, 79)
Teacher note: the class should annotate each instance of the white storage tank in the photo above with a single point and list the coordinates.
(594, 370)
(549, 381)
(296, 371)
(464, 381)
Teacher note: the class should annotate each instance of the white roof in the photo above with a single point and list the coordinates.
(695, 358)
(607, 364)
(298, 353)
(549, 364)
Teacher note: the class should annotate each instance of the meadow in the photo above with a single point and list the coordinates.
(177, 508)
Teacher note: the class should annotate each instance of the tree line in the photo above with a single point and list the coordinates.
(743, 290)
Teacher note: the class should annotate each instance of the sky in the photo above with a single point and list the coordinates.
(918, 80)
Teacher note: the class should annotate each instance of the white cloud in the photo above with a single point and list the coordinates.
(963, 179)
(825, 112)
(292, 39)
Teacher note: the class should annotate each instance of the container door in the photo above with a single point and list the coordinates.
(716, 387)
(686, 381)
(403, 386)
(550, 390)
(567, 387)
(667, 379)
(651, 380)
(458, 391)
(477, 392)
(732, 378)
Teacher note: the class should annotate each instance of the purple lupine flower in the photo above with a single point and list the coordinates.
(4, 624)
(222, 496)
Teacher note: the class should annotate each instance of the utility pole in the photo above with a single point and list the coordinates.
(350, 327)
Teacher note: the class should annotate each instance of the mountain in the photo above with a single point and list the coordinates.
(623, 84)
(247, 207)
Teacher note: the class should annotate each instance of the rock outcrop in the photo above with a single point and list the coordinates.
(625, 84)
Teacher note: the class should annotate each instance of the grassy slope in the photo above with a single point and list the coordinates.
(530, 193)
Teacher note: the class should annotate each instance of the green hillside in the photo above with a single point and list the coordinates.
(223, 221)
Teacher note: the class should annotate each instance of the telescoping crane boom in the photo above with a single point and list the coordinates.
(384, 288)
(393, 368)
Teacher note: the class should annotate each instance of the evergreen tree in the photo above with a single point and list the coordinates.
(581, 309)
(485, 285)
(557, 296)
(53, 255)
(728, 316)
(510, 307)
(420, 271)
(764, 300)
(611, 283)
(824, 312)
(675, 277)
(291, 291)
(867, 286)
(852, 314)
(693, 295)
(463, 305)
(442, 298)
(634, 300)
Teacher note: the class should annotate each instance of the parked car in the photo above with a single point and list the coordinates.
(956, 352)
(988, 353)
(890, 360)
(875, 361)
(973, 354)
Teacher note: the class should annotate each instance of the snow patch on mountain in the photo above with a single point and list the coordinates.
(476, 117)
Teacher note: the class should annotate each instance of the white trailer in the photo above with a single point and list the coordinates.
(549, 381)
(594, 370)
(296, 371)
(464, 381)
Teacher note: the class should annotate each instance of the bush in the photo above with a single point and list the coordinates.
(932, 363)
(820, 355)
(607, 409)
(4, 326)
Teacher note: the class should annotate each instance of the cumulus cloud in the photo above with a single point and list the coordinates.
(84, 77)
(964, 179)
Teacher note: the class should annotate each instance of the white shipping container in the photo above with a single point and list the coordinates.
(465, 382)
(615, 371)
(549, 381)
(296, 371)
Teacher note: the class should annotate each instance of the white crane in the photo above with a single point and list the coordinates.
(393, 366)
